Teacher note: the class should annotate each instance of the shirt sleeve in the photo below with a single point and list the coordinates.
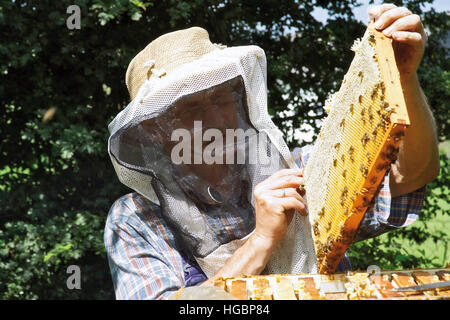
(387, 213)
(139, 268)
(390, 213)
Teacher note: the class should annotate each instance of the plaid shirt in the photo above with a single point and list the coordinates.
(145, 262)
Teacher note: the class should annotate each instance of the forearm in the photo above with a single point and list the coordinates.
(418, 157)
(249, 259)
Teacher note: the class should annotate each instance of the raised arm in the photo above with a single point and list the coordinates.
(418, 158)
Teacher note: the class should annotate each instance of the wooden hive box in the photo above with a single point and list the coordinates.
(340, 286)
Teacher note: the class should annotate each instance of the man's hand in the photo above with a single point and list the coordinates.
(408, 34)
(418, 159)
(276, 198)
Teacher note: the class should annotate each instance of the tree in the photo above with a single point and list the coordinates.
(60, 87)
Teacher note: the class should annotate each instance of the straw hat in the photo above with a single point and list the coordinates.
(164, 54)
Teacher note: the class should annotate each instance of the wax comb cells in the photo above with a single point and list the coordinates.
(358, 141)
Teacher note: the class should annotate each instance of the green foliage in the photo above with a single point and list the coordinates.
(56, 180)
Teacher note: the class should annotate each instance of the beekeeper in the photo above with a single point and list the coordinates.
(216, 187)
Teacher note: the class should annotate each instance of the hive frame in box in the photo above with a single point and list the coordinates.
(335, 225)
(354, 285)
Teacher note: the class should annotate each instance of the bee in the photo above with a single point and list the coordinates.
(365, 138)
(328, 227)
(334, 162)
(360, 98)
(361, 75)
(374, 92)
(321, 212)
(384, 123)
(337, 145)
(345, 190)
(351, 150)
(390, 111)
(343, 157)
(352, 108)
(368, 156)
(342, 123)
(316, 229)
(374, 134)
(364, 170)
(320, 256)
(392, 156)
(386, 118)
(344, 173)
(370, 113)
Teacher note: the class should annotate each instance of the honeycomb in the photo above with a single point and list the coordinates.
(358, 141)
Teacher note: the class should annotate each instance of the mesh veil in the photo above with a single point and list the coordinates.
(211, 217)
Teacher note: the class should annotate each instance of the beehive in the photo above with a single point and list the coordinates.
(339, 286)
(359, 140)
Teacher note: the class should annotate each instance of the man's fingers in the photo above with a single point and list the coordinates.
(411, 38)
(268, 183)
(286, 182)
(408, 23)
(285, 193)
(292, 203)
(390, 16)
(376, 11)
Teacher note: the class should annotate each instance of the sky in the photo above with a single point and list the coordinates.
(362, 15)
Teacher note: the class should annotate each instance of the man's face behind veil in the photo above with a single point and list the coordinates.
(221, 107)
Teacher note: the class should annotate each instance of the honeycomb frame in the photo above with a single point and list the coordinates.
(371, 138)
